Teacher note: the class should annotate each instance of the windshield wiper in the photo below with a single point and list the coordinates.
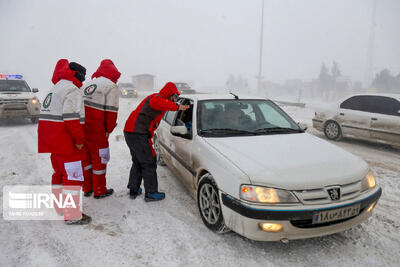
(226, 130)
(278, 129)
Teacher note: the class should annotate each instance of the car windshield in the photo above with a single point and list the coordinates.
(126, 85)
(13, 86)
(243, 117)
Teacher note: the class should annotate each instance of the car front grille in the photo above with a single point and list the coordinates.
(15, 108)
(13, 101)
(308, 223)
(321, 196)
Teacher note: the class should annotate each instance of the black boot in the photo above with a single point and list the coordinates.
(134, 193)
(156, 196)
(85, 219)
(87, 194)
(108, 193)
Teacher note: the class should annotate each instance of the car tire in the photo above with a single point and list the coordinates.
(332, 130)
(208, 202)
(157, 148)
(34, 120)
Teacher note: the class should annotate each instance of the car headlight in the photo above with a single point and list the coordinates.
(34, 101)
(125, 92)
(368, 182)
(266, 194)
(134, 92)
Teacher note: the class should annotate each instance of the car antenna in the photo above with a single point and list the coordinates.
(236, 97)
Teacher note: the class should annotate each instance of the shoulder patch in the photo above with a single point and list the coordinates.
(47, 100)
(90, 89)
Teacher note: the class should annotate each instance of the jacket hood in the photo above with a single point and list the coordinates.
(63, 72)
(168, 90)
(108, 70)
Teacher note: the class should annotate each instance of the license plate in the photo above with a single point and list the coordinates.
(336, 214)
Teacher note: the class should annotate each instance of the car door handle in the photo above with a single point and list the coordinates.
(342, 114)
(374, 119)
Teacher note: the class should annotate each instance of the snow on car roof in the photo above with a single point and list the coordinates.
(218, 96)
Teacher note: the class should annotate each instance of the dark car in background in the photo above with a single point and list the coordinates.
(127, 90)
(184, 88)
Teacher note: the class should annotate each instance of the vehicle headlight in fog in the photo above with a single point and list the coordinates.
(368, 182)
(266, 195)
(125, 92)
(35, 101)
(271, 227)
(134, 92)
(371, 207)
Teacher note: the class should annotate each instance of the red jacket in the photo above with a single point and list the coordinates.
(147, 116)
(62, 113)
(101, 97)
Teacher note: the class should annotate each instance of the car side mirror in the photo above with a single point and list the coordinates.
(303, 126)
(35, 90)
(181, 131)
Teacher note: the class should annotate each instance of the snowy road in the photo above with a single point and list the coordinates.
(170, 232)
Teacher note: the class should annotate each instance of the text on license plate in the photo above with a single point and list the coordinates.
(336, 214)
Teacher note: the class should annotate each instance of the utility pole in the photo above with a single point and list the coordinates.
(259, 77)
(370, 51)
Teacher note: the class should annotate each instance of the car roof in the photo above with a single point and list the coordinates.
(396, 96)
(200, 97)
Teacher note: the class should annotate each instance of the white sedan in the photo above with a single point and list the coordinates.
(255, 171)
(372, 117)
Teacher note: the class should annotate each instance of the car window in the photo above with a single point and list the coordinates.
(247, 116)
(383, 105)
(249, 112)
(354, 103)
(14, 86)
(272, 116)
(185, 117)
(169, 117)
(373, 104)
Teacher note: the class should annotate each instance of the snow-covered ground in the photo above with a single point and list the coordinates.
(171, 233)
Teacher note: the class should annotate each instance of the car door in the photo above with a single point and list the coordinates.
(385, 122)
(180, 148)
(163, 134)
(353, 118)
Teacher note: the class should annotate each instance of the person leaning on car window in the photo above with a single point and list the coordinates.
(139, 130)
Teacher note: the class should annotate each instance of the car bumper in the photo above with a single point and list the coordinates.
(245, 219)
(318, 124)
(19, 112)
(130, 94)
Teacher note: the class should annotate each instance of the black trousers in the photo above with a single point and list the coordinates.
(144, 165)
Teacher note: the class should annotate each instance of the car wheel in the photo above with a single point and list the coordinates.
(157, 148)
(34, 120)
(209, 205)
(332, 130)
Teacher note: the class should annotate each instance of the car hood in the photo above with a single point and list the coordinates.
(290, 161)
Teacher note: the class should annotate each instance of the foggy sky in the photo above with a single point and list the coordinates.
(203, 41)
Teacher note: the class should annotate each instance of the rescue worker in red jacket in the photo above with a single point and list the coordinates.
(101, 98)
(139, 130)
(60, 133)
